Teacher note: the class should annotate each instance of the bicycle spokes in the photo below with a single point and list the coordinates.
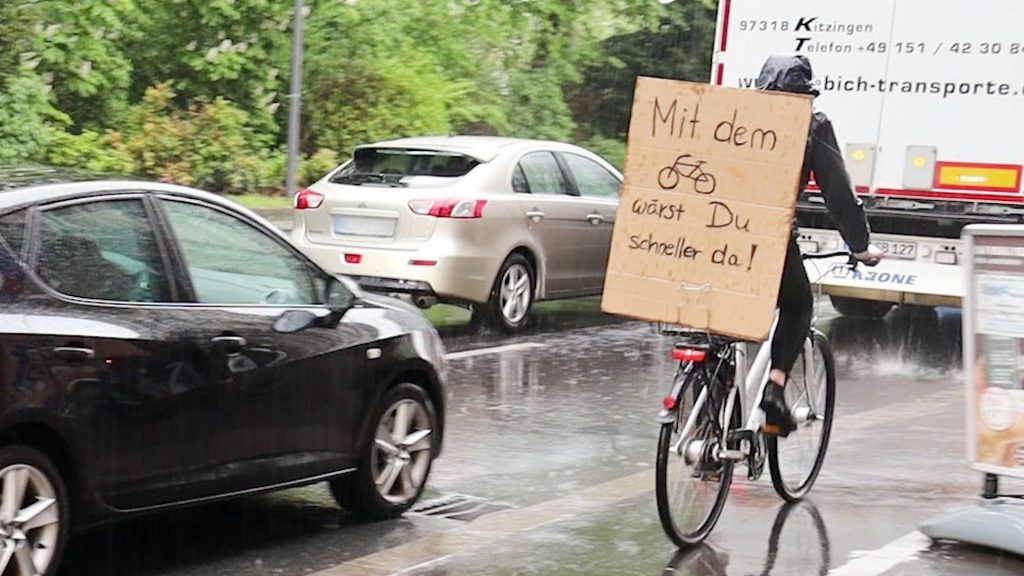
(810, 394)
(691, 482)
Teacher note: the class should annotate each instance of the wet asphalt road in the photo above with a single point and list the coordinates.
(550, 449)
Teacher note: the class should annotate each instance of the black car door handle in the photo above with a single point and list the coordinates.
(74, 353)
(229, 344)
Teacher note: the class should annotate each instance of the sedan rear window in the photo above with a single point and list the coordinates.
(401, 167)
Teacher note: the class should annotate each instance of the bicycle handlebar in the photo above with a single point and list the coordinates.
(825, 255)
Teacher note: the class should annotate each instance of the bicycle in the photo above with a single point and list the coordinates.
(706, 430)
(703, 183)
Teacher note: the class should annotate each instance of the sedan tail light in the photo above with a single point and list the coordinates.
(308, 200)
(449, 208)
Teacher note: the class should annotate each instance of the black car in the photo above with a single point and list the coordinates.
(161, 346)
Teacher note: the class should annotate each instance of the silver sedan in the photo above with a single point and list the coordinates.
(492, 223)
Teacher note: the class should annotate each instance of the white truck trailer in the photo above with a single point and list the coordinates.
(927, 100)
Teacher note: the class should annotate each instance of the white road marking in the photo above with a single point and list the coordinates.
(492, 350)
(881, 560)
(423, 565)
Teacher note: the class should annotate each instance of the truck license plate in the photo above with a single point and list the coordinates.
(900, 250)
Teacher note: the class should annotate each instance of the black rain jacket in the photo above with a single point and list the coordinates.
(792, 73)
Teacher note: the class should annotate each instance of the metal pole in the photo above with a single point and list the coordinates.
(295, 101)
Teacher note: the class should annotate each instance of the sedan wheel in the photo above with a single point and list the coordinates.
(515, 294)
(396, 462)
(512, 296)
(33, 513)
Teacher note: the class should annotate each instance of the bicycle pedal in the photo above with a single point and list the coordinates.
(775, 430)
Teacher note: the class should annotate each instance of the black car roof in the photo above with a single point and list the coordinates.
(21, 187)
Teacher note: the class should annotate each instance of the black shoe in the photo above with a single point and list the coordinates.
(778, 419)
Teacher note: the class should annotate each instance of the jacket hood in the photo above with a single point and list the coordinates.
(787, 73)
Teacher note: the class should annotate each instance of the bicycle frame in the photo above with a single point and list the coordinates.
(754, 378)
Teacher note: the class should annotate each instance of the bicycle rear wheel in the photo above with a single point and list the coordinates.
(691, 487)
(796, 460)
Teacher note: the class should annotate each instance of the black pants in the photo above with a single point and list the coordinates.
(796, 305)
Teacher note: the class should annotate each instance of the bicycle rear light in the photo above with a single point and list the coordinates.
(689, 355)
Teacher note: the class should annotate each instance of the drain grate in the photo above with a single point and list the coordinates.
(459, 507)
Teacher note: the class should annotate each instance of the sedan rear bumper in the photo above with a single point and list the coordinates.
(446, 276)
(394, 285)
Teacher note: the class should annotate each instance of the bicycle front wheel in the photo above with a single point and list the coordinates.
(691, 485)
(796, 460)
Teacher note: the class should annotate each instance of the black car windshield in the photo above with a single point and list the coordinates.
(401, 167)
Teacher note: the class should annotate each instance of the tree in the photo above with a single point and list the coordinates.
(88, 82)
(17, 21)
(78, 49)
(679, 47)
(490, 66)
(231, 49)
(29, 123)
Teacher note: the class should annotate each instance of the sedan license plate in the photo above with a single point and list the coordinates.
(364, 226)
(899, 250)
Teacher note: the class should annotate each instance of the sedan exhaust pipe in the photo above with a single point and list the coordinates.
(425, 302)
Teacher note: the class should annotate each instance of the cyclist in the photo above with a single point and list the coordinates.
(792, 73)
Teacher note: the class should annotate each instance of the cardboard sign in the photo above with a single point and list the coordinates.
(707, 206)
(993, 324)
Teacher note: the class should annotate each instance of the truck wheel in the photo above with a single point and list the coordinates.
(857, 308)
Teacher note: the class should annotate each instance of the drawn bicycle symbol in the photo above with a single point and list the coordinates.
(686, 167)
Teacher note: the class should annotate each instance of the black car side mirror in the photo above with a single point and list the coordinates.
(295, 321)
(342, 294)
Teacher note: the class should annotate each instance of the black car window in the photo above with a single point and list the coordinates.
(231, 262)
(104, 250)
(542, 174)
(12, 230)
(592, 179)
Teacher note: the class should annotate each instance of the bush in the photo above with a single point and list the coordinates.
(317, 166)
(363, 102)
(210, 145)
(612, 150)
(29, 123)
(105, 153)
